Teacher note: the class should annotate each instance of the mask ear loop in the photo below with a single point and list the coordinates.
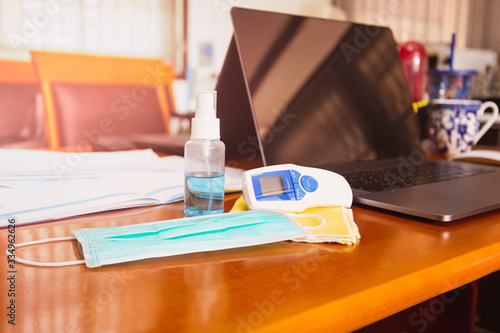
(323, 220)
(44, 264)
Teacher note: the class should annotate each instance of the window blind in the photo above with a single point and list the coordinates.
(138, 28)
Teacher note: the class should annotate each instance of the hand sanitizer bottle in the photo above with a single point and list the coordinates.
(204, 157)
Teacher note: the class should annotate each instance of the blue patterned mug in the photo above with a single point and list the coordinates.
(456, 124)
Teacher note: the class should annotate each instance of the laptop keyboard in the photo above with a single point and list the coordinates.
(428, 172)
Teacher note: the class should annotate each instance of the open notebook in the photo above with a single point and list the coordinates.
(37, 186)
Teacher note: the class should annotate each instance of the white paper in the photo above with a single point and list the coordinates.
(37, 197)
(53, 164)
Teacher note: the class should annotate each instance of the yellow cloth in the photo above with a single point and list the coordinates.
(326, 224)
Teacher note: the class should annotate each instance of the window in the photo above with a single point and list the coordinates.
(137, 28)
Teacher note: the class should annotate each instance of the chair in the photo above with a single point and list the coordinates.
(179, 125)
(21, 112)
(98, 100)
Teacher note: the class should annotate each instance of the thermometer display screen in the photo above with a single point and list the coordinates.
(272, 185)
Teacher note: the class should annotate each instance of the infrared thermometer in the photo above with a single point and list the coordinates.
(293, 188)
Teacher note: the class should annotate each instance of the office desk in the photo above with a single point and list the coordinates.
(279, 287)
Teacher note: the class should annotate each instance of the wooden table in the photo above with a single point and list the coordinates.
(280, 287)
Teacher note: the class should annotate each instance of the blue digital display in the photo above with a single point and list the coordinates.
(274, 186)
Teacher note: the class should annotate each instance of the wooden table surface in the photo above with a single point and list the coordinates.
(279, 287)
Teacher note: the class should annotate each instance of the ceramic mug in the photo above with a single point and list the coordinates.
(455, 124)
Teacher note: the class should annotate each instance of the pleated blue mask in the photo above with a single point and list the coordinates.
(106, 246)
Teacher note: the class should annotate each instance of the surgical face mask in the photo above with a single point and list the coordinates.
(105, 246)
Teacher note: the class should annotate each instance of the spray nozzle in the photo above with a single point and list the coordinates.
(205, 124)
(206, 104)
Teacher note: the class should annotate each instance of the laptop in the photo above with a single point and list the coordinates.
(333, 95)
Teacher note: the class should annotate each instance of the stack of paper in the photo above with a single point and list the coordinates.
(38, 186)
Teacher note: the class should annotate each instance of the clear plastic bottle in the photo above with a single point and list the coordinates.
(204, 157)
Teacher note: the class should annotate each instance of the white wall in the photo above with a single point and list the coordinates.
(209, 22)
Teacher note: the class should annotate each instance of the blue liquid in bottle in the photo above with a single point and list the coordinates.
(204, 156)
(204, 193)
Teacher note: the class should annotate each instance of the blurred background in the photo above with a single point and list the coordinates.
(193, 35)
(190, 39)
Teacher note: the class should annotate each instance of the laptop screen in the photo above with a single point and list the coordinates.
(322, 91)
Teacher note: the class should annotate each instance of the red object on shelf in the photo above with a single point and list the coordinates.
(414, 60)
